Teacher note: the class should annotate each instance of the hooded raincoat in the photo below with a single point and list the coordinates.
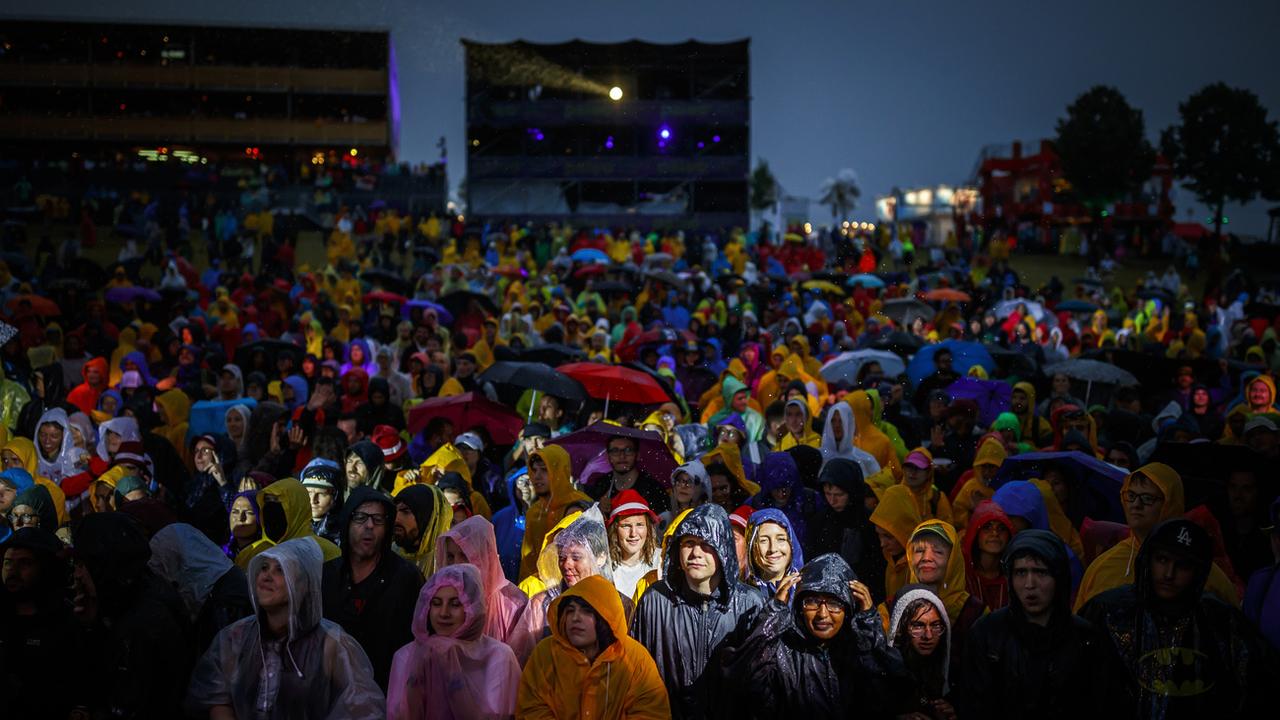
(758, 519)
(466, 675)
(213, 589)
(504, 604)
(848, 532)
(844, 447)
(545, 512)
(433, 516)
(559, 681)
(783, 670)
(285, 515)
(962, 608)
(319, 670)
(685, 631)
(897, 515)
(869, 437)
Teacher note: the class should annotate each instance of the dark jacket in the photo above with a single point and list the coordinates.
(1190, 656)
(686, 632)
(848, 532)
(377, 611)
(782, 670)
(1015, 668)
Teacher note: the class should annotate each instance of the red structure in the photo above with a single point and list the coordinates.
(1017, 188)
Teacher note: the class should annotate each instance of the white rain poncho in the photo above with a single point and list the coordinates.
(324, 672)
(844, 448)
(190, 562)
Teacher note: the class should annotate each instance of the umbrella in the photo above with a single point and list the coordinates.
(39, 305)
(865, 280)
(382, 296)
(900, 343)
(586, 445)
(617, 383)
(68, 283)
(590, 255)
(904, 311)
(666, 277)
(553, 354)
(1156, 293)
(1012, 362)
(384, 278)
(273, 349)
(511, 271)
(662, 336)
(946, 295)
(824, 286)
(467, 411)
(132, 293)
(612, 287)
(1096, 486)
(589, 271)
(846, 366)
(1005, 308)
(964, 355)
(457, 302)
(444, 316)
(7, 332)
(1091, 371)
(992, 396)
(1075, 306)
(535, 376)
(657, 259)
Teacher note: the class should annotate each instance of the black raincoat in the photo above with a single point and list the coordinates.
(782, 670)
(1017, 669)
(686, 632)
(377, 611)
(1193, 656)
(848, 532)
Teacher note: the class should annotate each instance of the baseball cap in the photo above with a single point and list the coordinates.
(1259, 423)
(535, 429)
(469, 440)
(741, 516)
(919, 458)
(934, 529)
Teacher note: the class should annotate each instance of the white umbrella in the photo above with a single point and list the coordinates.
(846, 366)
(1090, 372)
(1005, 308)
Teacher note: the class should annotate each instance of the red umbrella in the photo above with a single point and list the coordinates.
(617, 383)
(946, 295)
(510, 271)
(467, 411)
(663, 336)
(382, 296)
(39, 305)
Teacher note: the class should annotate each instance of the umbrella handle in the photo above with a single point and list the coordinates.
(533, 400)
(606, 405)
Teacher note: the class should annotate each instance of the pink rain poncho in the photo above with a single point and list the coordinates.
(504, 603)
(466, 676)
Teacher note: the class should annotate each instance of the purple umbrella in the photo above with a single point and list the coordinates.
(133, 293)
(992, 396)
(443, 315)
(587, 446)
(1095, 484)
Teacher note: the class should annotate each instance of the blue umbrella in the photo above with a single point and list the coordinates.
(1075, 306)
(590, 255)
(992, 396)
(444, 316)
(1095, 485)
(132, 293)
(865, 280)
(965, 354)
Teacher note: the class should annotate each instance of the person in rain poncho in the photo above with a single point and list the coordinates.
(895, 518)
(590, 667)
(842, 524)
(554, 497)
(690, 487)
(837, 440)
(991, 455)
(1034, 658)
(58, 458)
(868, 437)
(285, 660)
(773, 550)
(696, 610)
(936, 560)
(284, 511)
(1185, 652)
(817, 650)
(917, 475)
(473, 541)
(213, 590)
(422, 515)
(453, 670)
(920, 631)
(1151, 494)
(985, 541)
(736, 397)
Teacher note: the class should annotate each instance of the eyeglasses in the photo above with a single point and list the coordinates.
(917, 629)
(360, 518)
(21, 519)
(684, 481)
(726, 433)
(813, 602)
(616, 451)
(1144, 499)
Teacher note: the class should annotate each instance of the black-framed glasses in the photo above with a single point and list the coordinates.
(1144, 499)
(917, 629)
(813, 602)
(360, 518)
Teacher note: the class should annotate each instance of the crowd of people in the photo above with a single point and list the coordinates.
(564, 473)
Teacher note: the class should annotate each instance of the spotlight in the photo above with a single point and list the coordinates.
(665, 133)
(615, 93)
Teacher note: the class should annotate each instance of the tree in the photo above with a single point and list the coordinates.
(764, 187)
(841, 193)
(1224, 148)
(1102, 143)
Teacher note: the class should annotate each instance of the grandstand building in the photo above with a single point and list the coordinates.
(630, 134)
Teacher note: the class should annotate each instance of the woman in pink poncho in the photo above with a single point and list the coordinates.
(473, 541)
(452, 670)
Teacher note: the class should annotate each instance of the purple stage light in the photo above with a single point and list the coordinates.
(715, 138)
(665, 133)
(608, 143)
(701, 145)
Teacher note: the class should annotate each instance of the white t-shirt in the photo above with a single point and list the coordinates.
(625, 577)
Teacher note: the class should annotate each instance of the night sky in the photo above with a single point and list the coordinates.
(904, 93)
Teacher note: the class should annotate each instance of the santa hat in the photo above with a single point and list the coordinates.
(628, 503)
(389, 442)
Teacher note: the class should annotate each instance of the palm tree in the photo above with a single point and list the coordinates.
(841, 193)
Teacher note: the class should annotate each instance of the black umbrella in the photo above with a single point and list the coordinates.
(1012, 362)
(457, 302)
(553, 354)
(385, 279)
(904, 311)
(667, 277)
(273, 349)
(536, 376)
(613, 287)
(903, 344)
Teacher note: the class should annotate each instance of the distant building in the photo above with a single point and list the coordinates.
(622, 134)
